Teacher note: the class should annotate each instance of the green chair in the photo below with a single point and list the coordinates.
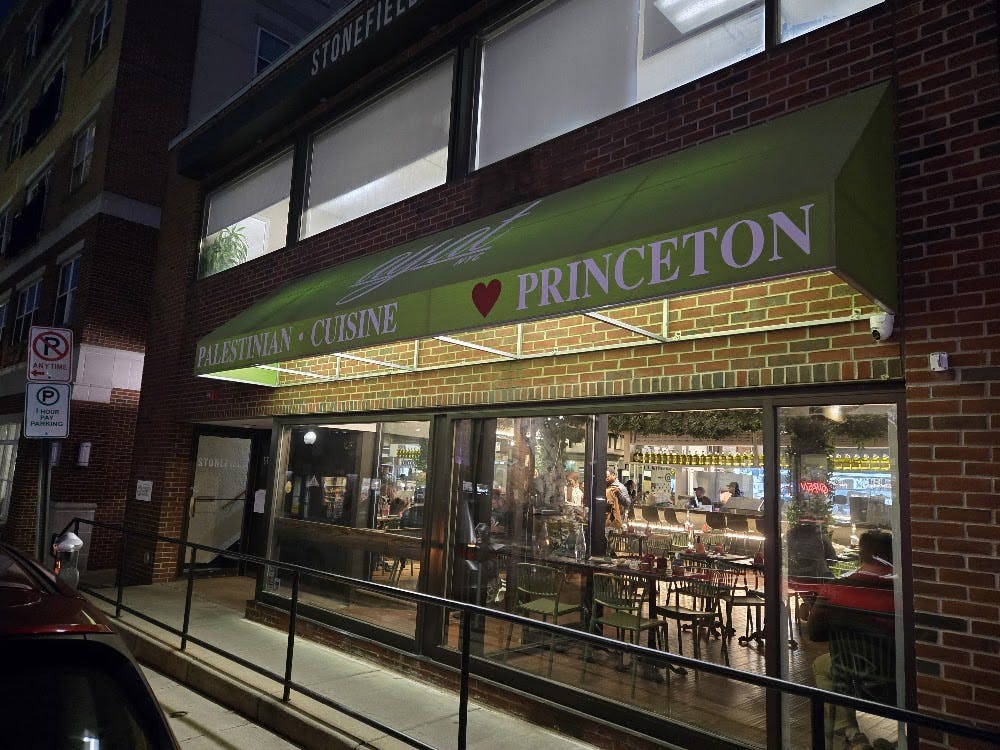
(538, 590)
(694, 600)
(621, 601)
(862, 665)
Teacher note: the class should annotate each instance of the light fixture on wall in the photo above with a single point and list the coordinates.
(83, 455)
(309, 438)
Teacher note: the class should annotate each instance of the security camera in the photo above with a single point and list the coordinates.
(881, 324)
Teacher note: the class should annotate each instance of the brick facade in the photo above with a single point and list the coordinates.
(942, 61)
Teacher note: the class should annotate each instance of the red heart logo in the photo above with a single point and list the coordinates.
(484, 296)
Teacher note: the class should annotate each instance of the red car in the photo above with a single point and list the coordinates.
(68, 680)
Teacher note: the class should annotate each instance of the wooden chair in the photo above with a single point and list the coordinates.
(621, 601)
(693, 600)
(538, 590)
(624, 545)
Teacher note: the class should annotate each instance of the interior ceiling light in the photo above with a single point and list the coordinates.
(688, 15)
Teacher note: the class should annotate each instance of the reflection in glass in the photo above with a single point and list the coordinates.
(839, 514)
(351, 502)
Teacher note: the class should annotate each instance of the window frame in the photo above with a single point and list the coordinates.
(98, 34)
(4, 318)
(7, 478)
(88, 133)
(24, 318)
(16, 137)
(5, 221)
(31, 41)
(69, 273)
(257, 57)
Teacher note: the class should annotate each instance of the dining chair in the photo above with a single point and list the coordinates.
(733, 593)
(538, 592)
(624, 544)
(621, 601)
(862, 665)
(693, 600)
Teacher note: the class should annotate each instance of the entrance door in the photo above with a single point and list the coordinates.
(222, 487)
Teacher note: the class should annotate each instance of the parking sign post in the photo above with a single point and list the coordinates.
(46, 406)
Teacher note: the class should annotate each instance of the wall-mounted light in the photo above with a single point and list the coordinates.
(83, 455)
(55, 451)
(938, 361)
(309, 438)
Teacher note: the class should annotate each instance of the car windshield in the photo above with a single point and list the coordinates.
(71, 693)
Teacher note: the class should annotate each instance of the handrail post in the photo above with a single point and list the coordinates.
(120, 575)
(187, 596)
(463, 695)
(818, 724)
(290, 653)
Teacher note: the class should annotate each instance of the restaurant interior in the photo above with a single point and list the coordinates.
(682, 568)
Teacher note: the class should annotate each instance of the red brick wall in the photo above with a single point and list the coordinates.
(942, 58)
(949, 162)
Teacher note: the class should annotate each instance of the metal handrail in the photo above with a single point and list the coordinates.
(816, 696)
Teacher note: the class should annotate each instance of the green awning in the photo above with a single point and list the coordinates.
(806, 193)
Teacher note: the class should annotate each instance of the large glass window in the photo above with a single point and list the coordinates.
(247, 218)
(839, 516)
(350, 500)
(269, 48)
(393, 149)
(576, 61)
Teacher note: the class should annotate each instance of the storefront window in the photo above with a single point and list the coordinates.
(839, 515)
(350, 500)
(536, 535)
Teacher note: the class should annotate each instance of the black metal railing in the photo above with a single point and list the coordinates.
(817, 697)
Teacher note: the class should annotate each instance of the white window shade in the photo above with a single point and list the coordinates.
(799, 17)
(391, 150)
(247, 218)
(568, 65)
(250, 195)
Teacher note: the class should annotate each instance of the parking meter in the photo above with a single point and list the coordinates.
(66, 550)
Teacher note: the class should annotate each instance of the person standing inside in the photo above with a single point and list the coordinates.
(617, 497)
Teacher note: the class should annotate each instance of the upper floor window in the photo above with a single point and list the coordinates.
(4, 312)
(247, 218)
(269, 49)
(4, 228)
(576, 61)
(408, 128)
(5, 78)
(799, 17)
(27, 304)
(69, 275)
(16, 136)
(46, 109)
(100, 29)
(31, 42)
(38, 188)
(83, 150)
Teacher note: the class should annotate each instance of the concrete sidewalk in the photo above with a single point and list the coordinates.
(422, 711)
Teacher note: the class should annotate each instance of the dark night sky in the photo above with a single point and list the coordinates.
(4, 7)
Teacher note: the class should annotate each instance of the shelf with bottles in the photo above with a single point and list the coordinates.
(857, 461)
(656, 456)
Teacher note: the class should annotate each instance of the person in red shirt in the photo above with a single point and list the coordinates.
(862, 604)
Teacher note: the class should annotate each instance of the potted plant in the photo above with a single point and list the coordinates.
(227, 249)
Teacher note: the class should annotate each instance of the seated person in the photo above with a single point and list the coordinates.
(699, 498)
(732, 490)
(860, 603)
(809, 548)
